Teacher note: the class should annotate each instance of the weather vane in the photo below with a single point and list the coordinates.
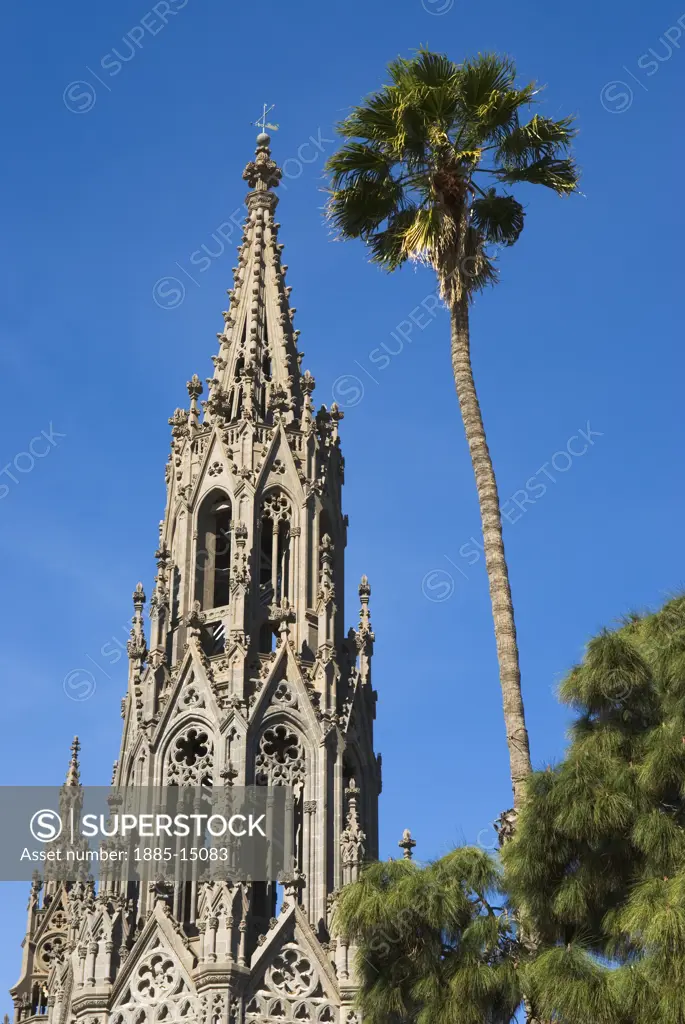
(263, 123)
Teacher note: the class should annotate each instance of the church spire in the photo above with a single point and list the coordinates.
(257, 371)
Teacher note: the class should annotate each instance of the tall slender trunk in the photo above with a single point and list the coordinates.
(495, 562)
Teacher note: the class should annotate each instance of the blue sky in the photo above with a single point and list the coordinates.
(115, 172)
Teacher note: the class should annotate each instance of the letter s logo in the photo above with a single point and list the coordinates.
(46, 826)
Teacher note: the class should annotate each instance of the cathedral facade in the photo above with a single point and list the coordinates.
(246, 677)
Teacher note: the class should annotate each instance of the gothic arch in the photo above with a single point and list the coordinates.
(132, 769)
(289, 719)
(212, 550)
(276, 518)
(188, 756)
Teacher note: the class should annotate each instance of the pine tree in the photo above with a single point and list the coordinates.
(435, 944)
(597, 865)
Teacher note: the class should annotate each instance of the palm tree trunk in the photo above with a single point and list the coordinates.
(495, 562)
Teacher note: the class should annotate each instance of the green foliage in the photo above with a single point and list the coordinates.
(587, 921)
(431, 946)
(407, 179)
(597, 865)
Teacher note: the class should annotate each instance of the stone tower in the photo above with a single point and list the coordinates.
(248, 677)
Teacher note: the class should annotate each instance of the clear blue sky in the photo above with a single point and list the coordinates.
(103, 200)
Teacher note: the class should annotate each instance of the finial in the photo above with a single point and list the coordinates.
(364, 613)
(262, 173)
(407, 844)
(229, 774)
(73, 773)
(194, 386)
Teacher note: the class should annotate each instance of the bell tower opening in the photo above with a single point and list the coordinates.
(213, 561)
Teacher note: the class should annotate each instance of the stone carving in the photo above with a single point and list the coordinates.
(280, 761)
(285, 696)
(52, 947)
(276, 506)
(156, 978)
(190, 758)
(292, 973)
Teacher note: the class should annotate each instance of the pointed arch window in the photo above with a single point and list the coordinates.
(190, 759)
(274, 549)
(213, 562)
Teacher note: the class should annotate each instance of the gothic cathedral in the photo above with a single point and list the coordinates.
(247, 677)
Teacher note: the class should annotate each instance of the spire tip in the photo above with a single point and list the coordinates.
(73, 772)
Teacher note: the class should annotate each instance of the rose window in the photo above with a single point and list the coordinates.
(157, 978)
(51, 949)
(280, 760)
(190, 760)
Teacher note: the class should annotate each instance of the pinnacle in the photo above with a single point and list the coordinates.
(73, 773)
(407, 844)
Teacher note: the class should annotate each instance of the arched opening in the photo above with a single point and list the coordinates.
(213, 560)
(274, 550)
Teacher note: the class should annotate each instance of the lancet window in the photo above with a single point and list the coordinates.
(274, 550)
(213, 562)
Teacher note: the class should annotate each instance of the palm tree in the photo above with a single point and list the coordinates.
(424, 174)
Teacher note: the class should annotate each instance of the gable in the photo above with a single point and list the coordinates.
(291, 977)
